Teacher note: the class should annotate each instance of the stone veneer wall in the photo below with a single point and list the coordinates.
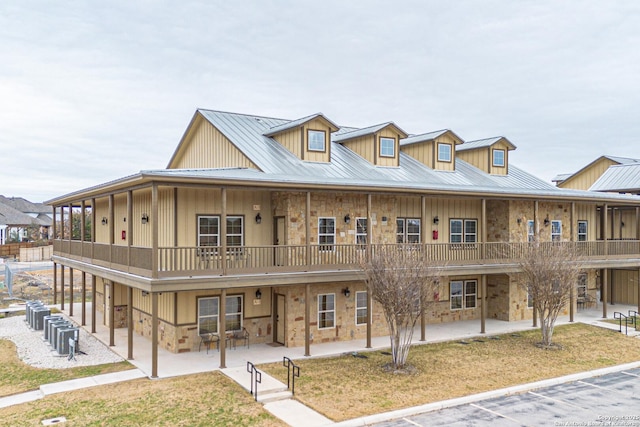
(498, 293)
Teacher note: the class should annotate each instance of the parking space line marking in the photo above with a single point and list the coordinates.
(594, 385)
(495, 413)
(412, 422)
(629, 373)
(555, 400)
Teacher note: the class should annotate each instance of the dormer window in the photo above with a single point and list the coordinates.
(387, 147)
(498, 158)
(444, 152)
(316, 140)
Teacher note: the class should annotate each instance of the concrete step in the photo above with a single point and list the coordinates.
(273, 396)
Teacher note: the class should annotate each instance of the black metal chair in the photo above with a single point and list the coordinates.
(207, 339)
(242, 335)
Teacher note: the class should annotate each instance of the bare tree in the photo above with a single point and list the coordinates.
(403, 280)
(549, 272)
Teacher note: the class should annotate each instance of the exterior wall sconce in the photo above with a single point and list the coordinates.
(145, 218)
(346, 292)
(384, 219)
(104, 220)
(546, 221)
(145, 293)
(519, 221)
(347, 219)
(258, 294)
(621, 223)
(258, 218)
(436, 219)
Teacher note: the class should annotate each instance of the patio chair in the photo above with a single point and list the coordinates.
(207, 339)
(242, 335)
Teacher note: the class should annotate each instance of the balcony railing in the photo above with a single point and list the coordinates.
(201, 261)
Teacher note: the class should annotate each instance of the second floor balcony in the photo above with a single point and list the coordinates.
(194, 262)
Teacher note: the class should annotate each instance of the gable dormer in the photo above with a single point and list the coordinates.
(377, 144)
(309, 138)
(436, 150)
(490, 155)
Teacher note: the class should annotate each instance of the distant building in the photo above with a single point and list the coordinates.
(17, 215)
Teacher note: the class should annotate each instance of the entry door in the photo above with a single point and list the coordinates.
(280, 319)
(280, 256)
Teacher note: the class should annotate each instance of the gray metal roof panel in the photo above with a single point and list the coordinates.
(622, 160)
(355, 133)
(482, 143)
(429, 136)
(295, 123)
(619, 178)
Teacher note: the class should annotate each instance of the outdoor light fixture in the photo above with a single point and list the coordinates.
(104, 220)
(347, 219)
(621, 223)
(145, 293)
(436, 219)
(258, 218)
(546, 221)
(346, 292)
(519, 220)
(145, 218)
(384, 219)
(258, 294)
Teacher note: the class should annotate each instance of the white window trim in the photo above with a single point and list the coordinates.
(324, 140)
(586, 230)
(217, 299)
(475, 294)
(217, 235)
(449, 154)
(451, 296)
(232, 217)
(327, 311)
(328, 246)
(531, 232)
(463, 296)
(405, 234)
(363, 235)
(216, 316)
(559, 233)
(393, 147)
(366, 300)
(463, 233)
(504, 156)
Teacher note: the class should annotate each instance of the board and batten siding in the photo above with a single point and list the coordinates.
(187, 303)
(205, 147)
(625, 286)
(363, 146)
(387, 161)
(584, 179)
(478, 158)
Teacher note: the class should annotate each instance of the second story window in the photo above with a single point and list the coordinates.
(326, 233)
(444, 152)
(209, 230)
(556, 231)
(498, 158)
(361, 231)
(408, 230)
(316, 140)
(582, 231)
(387, 147)
(531, 233)
(463, 231)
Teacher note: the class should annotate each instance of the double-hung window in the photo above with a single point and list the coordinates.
(408, 230)
(582, 285)
(463, 294)
(498, 158)
(463, 231)
(387, 147)
(209, 314)
(326, 233)
(531, 233)
(361, 231)
(316, 140)
(326, 311)
(361, 308)
(209, 230)
(444, 152)
(556, 230)
(582, 231)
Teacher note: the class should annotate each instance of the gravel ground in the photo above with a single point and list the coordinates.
(34, 350)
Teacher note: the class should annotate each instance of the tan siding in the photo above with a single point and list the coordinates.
(587, 213)
(422, 152)
(188, 306)
(362, 146)
(496, 170)
(166, 306)
(584, 179)
(205, 147)
(120, 219)
(102, 211)
(478, 158)
(625, 283)
(446, 166)
(316, 156)
(387, 161)
(291, 141)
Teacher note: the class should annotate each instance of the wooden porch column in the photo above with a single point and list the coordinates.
(71, 292)
(638, 283)
(61, 286)
(637, 223)
(307, 320)
(572, 232)
(93, 304)
(155, 231)
(112, 306)
(83, 223)
(423, 241)
(54, 224)
(223, 328)
(604, 286)
(84, 299)
(110, 223)
(483, 302)
(55, 283)
(129, 225)
(369, 317)
(223, 229)
(536, 230)
(572, 301)
(369, 243)
(154, 335)
(129, 323)
(307, 234)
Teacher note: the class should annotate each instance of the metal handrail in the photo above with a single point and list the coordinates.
(634, 314)
(619, 316)
(294, 369)
(256, 378)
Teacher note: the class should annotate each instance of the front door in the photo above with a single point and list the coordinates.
(280, 254)
(280, 319)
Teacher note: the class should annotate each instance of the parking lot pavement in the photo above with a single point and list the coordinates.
(609, 400)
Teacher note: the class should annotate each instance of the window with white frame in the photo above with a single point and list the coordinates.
(408, 230)
(361, 231)
(498, 158)
(531, 233)
(463, 231)
(556, 230)
(326, 233)
(387, 147)
(463, 294)
(316, 140)
(582, 285)
(209, 310)
(209, 230)
(582, 231)
(361, 308)
(326, 311)
(444, 152)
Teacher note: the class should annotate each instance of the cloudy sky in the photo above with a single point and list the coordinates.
(93, 91)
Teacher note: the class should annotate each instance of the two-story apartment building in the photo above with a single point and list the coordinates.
(260, 223)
